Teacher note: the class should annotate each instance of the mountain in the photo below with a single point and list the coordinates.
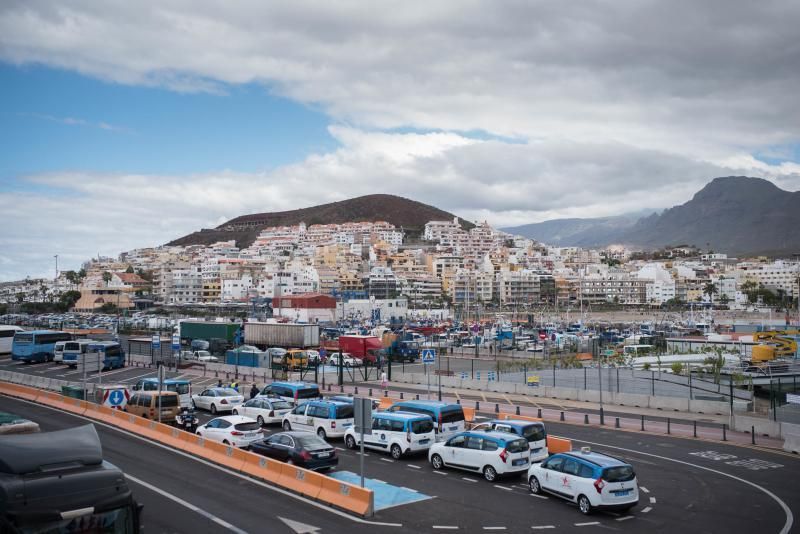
(402, 212)
(734, 214)
(578, 232)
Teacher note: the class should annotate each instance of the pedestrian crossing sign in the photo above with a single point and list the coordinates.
(428, 356)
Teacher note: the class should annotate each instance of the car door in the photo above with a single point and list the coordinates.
(453, 451)
(472, 454)
(248, 408)
(285, 447)
(271, 447)
(297, 417)
(202, 400)
(551, 471)
(568, 481)
(210, 429)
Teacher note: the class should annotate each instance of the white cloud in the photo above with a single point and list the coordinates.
(506, 184)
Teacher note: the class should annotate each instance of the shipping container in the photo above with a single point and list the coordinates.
(207, 330)
(244, 359)
(297, 336)
(362, 347)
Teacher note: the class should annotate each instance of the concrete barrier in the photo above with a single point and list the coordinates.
(261, 467)
(710, 407)
(512, 417)
(670, 403)
(347, 496)
(302, 481)
(791, 437)
(745, 423)
(630, 399)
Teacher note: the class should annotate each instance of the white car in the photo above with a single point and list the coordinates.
(590, 479)
(491, 453)
(265, 410)
(313, 356)
(217, 400)
(347, 360)
(235, 430)
(397, 433)
(328, 419)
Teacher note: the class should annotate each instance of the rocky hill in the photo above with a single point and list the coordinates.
(402, 212)
(735, 214)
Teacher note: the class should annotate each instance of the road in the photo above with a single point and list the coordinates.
(688, 486)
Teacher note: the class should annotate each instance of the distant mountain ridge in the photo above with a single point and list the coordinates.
(402, 212)
(734, 215)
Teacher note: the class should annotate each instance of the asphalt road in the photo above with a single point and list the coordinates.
(691, 486)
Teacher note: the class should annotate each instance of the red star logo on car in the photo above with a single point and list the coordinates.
(565, 481)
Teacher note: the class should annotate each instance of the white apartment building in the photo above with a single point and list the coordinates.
(436, 230)
(660, 291)
(780, 274)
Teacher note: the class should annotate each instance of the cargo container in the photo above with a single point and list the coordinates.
(207, 330)
(244, 359)
(287, 335)
(364, 348)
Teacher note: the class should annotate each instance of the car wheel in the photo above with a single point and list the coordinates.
(260, 420)
(436, 461)
(199, 434)
(235, 412)
(350, 442)
(584, 505)
(225, 442)
(213, 409)
(194, 406)
(321, 433)
(287, 426)
(397, 452)
(489, 473)
(534, 486)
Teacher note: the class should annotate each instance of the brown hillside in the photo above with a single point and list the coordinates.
(402, 212)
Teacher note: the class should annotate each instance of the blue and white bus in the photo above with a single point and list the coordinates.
(73, 351)
(7, 337)
(36, 345)
(111, 352)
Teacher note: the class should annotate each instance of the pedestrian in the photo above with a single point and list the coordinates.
(235, 386)
(253, 391)
(384, 381)
(219, 383)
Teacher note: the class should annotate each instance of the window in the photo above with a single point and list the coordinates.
(534, 433)
(277, 405)
(169, 401)
(254, 403)
(421, 427)
(221, 423)
(345, 411)
(286, 440)
(397, 426)
(586, 471)
(453, 415)
(518, 445)
(489, 445)
(474, 443)
(134, 400)
(554, 463)
(248, 427)
(622, 473)
(7, 333)
(457, 441)
(571, 466)
(319, 411)
(300, 410)
(376, 423)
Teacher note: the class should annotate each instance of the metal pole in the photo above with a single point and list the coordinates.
(600, 387)
(361, 460)
(428, 375)
(160, 382)
(439, 363)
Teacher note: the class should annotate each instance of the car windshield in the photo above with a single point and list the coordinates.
(422, 427)
(534, 433)
(281, 405)
(518, 445)
(180, 389)
(248, 427)
(344, 411)
(622, 473)
(312, 443)
(226, 393)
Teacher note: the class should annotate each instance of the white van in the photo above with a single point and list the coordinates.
(397, 433)
(73, 351)
(326, 418)
(58, 352)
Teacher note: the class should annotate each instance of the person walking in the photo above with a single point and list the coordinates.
(253, 391)
(235, 386)
(219, 383)
(384, 381)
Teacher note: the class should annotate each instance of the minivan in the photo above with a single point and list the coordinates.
(448, 418)
(295, 392)
(146, 403)
(58, 352)
(326, 418)
(398, 433)
(533, 431)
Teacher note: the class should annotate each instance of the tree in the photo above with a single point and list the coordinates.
(108, 307)
(710, 289)
(677, 368)
(82, 274)
(72, 277)
(750, 288)
(724, 299)
(20, 297)
(129, 269)
(67, 299)
(106, 277)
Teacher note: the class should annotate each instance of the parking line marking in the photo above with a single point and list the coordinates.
(387, 460)
(412, 466)
(468, 479)
(484, 396)
(625, 518)
(494, 528)
(408, 489)
(642, 488)
(538, 496)
(440, 473)
(542, 527)
(504, 488)
(587, 524)
(339, 449)
(652, 500)
(445, 527)
(646, 510)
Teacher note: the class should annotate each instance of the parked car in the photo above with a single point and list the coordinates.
(397, 433)
(265, 410)
(491, 453)
(14, 424)
(347, 360)
(591, 479)
(532, 431)
(217, 400)
(304, 449)
(326, 418)
(235, 430)
(198, 355)
(147, 405)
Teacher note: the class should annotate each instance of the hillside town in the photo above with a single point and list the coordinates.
(374, 269)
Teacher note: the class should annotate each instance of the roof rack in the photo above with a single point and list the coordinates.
(50, 451)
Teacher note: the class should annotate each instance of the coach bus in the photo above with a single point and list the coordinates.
(7, 337)
(111, 353)
(36, 345)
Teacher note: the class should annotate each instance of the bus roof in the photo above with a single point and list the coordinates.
(44, 332)
(427, 404)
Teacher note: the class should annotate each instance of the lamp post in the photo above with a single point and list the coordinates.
(797, 295)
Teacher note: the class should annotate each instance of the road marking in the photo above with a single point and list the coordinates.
(542, 527)
(459, 398)
(340, 449)
(440, 473)
(652, 500)
(504, 488)
(379, 481)
(408, 489)
(625, 518)
(412, 466)
(445, 527)
(587, 524)
(642, 488)
(787, 527)
(298, 527)
(484, 396)
(646, 510)
(190, 506)
(494, 528)
(387, 460)
(508, 401)
(538, 496)
(212, 465)
(468, 479)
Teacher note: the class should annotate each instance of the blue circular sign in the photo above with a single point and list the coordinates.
(115, 398)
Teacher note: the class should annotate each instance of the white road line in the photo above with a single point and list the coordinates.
(504, 488)
(494, 528)
(190, 506)
(468, 479)
(587, 524)
(379, 481)
(652, 500)
(412, 466)
(387, 460)
(642, 488)
(538, 496)
(137, 377)
(542, 527)
(445, 527)
(409, 489)
(646, 510)
(225, 470)
(625, 518)
(787, 527)
(440, 473)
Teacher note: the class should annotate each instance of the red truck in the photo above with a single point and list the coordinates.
(365, 348)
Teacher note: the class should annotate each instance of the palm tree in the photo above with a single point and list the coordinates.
(710, 289)
(106, 277)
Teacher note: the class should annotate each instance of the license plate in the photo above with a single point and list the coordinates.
(250, 435)
(622, 493)
(520, 461)
(347, 425)
(423, 441)
(453, 428)
(323, 454)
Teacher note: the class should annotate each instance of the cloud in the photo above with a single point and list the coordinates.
(707, 80)
(72, 121)
(84, 214)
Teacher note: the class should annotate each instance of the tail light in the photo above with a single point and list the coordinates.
(599, 485)
(440, 421)
(237, 433)
(504, 455)
(223, 401)
(152, 412)
(305, 455)
(333, 424)
(271, 413)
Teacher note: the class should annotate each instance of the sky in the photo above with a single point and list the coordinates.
(128, 124)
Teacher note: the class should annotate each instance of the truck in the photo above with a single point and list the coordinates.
(208, 330)
(401, 347)
(58, 482)
(286, 335)
(365, 348)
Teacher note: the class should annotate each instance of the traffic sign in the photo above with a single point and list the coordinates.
(156, 341)
(428, 356)
(533, 381)
(464, 375)
(116, 397)
(491, 375)
(176, 342)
